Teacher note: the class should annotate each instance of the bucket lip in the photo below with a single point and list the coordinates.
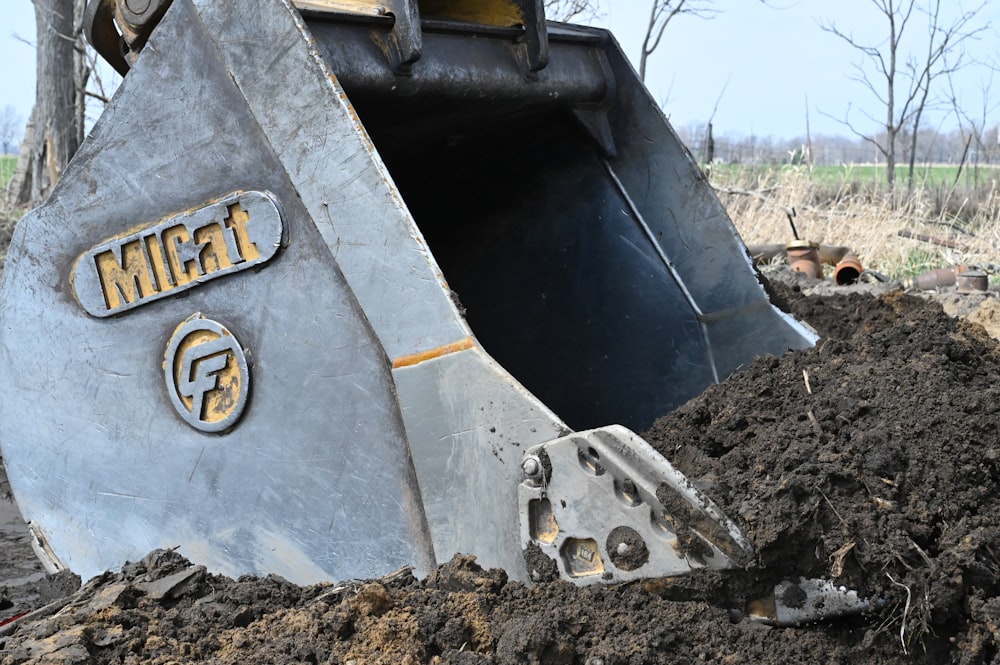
(801, 244)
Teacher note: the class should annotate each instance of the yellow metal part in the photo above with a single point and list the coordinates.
(499, 13)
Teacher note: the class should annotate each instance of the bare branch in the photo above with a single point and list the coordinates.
(98, 96)
(851, 128)
(661, 13)
(719, 100)
(19, 38)
(572, 10)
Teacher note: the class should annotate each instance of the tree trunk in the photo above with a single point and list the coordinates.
(916, 132)
(56, 123)
(891, 130)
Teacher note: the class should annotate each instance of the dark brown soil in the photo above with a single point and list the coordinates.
(872, 460)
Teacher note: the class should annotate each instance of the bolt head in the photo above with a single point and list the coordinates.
(138, 7)
(531, 466)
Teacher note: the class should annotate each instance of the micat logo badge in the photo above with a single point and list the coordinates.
(206, 374)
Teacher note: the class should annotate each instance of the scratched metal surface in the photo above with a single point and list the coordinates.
(341, 466)
(315, 481)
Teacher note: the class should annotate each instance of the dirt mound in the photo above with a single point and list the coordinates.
(163, 610)
(871, 460)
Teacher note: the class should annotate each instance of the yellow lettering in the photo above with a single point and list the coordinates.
(237, 221)
(121, 281)
(214, 255)
(155, 260)
(177, 244)
(158, 263)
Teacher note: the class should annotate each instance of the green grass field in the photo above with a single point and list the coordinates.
(7, 163)
(925, 176)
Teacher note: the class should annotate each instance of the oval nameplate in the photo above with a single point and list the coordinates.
(240, 231)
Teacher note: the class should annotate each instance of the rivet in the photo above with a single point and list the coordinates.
(138, 7)
(531, 466)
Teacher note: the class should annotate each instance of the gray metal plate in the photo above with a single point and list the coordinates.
(315, 481)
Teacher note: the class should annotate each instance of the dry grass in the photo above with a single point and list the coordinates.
(863, 218)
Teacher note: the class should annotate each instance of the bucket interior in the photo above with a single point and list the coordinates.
(558, 281)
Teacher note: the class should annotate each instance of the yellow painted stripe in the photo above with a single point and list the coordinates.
(417, 358)
(363, 7)
(501, 13)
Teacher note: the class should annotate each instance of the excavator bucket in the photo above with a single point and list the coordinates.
(335, 287)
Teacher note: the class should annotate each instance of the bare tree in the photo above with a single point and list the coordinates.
(10, 124)
(55, 129)
(572, 10)
(661, 14)
(941, 41)
(901, 83)
(972, 131)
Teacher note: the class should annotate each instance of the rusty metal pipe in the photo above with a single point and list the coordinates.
(933, 279)
(972, 281)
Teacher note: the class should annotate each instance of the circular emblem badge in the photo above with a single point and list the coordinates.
(207, 376)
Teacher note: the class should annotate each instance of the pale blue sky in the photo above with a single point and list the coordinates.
(767, 61)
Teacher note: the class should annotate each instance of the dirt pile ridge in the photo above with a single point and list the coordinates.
(871, 460)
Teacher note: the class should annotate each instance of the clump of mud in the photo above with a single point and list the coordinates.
(871, 460)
